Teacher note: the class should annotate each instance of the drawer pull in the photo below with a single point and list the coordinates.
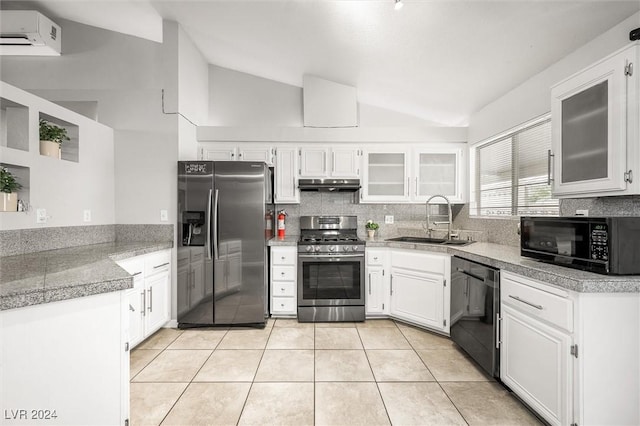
(540, 307)
(160, 266)
(282, 305)
(375, 258)
(282, 289)
(282, 274)
(282, 258)
(137, 273)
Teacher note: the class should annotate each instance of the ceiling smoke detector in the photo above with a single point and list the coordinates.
(398, 5)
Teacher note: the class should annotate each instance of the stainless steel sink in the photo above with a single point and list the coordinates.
(426, 240)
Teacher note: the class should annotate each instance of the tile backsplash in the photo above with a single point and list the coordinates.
(408, 218)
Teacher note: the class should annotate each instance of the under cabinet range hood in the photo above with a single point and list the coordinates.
(329, 185)
(28, 33)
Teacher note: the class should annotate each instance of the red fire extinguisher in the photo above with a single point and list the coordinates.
(281, 216)
(268, 224)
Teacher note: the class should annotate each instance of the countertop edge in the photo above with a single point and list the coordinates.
(114, 282)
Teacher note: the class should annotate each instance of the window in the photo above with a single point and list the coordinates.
(510, 176)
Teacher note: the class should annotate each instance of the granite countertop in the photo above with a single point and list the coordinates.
(508, 258)
(49, 276)
(291, 240)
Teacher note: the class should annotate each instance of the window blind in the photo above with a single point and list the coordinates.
(511, 174)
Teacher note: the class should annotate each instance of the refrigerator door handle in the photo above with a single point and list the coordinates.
(216, 253)
(208, 243)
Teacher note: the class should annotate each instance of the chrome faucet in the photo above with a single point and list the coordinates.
(429, 228)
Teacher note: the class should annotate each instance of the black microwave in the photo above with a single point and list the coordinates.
(606, 245)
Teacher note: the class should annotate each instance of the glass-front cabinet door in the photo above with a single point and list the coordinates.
(386, 176)
(590, 128)
(438, 172)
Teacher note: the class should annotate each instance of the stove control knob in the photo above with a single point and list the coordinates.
(332, 248)
(309, 248)
(345, 248)
(355, 248)
(317, 249)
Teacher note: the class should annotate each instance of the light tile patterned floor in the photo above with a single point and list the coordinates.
(374, 373)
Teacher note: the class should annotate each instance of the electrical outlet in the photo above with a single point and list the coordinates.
(41, 216)
(582, 212)
(388, 218)
(87, 215)
(164, 215)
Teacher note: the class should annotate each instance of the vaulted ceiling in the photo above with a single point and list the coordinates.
(439, 60)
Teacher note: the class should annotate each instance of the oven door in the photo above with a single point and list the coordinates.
(331, 280)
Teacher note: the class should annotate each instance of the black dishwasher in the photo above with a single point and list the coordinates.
(475, 311)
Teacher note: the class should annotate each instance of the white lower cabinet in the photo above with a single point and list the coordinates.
(149, 299)
(283, 281)
(536, 345)
(413, 291)
(377, 283)
(536, 364)
(66, 362)
(572, 357)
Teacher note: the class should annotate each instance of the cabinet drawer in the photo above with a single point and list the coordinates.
(284, 257)
(157, 262)
(134, 266)
(375, 258)
(284, 273)
(553, 308)
(283, 288)
(419, 261)
(283, 305)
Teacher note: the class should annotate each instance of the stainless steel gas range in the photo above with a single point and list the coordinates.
(330, 270)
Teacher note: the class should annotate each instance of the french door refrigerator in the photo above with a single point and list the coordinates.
(222, 242)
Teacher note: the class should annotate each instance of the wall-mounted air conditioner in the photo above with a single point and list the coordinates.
(27, 32)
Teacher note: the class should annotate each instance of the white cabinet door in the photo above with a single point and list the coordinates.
(219, 153)
(535, 363)
(136, 310)
(256, 153)
(418, 297)
(376, 291)
(589, 119)
(157, 301)
(313, 162)
(386, 176)
(345, 162)
(286, 181)
(439, 172)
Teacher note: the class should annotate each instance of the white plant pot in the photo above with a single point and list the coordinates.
(9, 202)
(50, 149)
(371, 233)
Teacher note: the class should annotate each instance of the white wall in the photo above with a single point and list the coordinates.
(64, 188)
(533, 98)
(237, 99)
(126, 76)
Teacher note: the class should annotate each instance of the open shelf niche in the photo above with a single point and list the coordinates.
(71, 148)
(22, 175)
(14, 125)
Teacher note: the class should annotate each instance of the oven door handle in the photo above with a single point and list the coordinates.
(330, 256)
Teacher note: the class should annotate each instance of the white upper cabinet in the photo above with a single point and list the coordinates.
(413, 174)
(594, 115)
(231, 151)
(320, 162)
(386, 176)
(286, 179)
(439, 172)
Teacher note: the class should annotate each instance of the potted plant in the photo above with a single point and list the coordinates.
(8, 187)
(51, 138)
(371, 228)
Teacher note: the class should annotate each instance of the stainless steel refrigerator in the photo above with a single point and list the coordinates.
(224, 209)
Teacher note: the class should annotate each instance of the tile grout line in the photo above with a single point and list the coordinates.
(253, 380)
(194, 376)
(375, 380)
